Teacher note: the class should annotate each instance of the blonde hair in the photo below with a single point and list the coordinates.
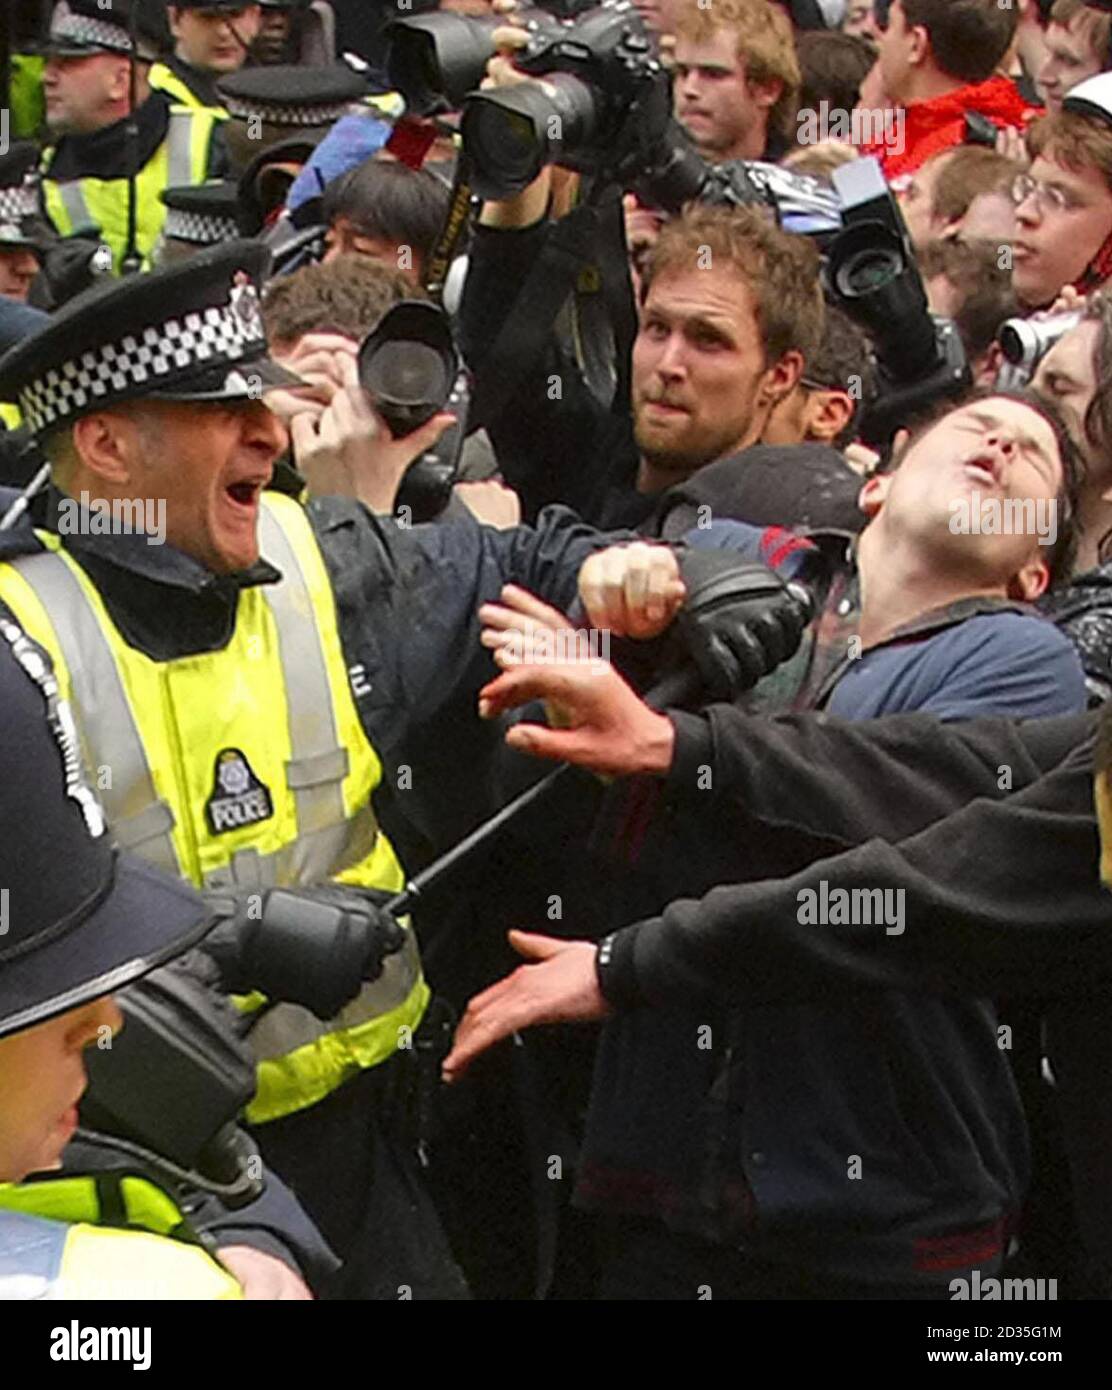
(762, 41)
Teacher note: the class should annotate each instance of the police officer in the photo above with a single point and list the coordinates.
(88, 79)
(19, 252)
(78, 921)
(242, 669)
(205, 214)
(211, 39)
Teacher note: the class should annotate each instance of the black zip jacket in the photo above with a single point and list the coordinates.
(987, 827)
(570, 448)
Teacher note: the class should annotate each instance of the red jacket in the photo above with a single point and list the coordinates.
(937, 124)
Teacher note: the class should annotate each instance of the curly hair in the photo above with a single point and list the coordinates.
(347, 295)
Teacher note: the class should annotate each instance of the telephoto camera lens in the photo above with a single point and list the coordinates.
(873, 280)
(409, 364)
(512, 133)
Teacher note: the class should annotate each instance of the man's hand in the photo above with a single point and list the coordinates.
(561, 987)
(318, 359)
(491, 502)
(264, 1278)
(610, 729)
(632, 590)
(349, 451)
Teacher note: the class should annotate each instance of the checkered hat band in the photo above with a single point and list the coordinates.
(277, 114)
(16, 203)
(79, 28)
(203, 228)
(204, 338)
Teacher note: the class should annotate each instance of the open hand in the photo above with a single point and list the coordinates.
(560, 986)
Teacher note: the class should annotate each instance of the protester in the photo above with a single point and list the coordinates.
(670, 1172)
(1064, 203)
(718, 347)
(936, 63)
(1078, 39)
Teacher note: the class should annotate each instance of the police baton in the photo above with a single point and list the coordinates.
(675, 689)
(730, 646)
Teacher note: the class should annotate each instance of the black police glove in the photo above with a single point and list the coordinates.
(739, 620)
(310, 946)
(68, 267)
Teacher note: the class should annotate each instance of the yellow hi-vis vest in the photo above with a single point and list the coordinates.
(56, 1241)
(246, 766)
(164, 79)
(182, 158)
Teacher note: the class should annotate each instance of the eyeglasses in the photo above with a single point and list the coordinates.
(1048, 197)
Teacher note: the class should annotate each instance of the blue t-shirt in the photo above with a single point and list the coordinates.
(1012, 664)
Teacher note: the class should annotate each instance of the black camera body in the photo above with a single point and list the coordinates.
(435, 59)
(602, 102)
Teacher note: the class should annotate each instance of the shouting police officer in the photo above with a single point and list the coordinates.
(242, 668)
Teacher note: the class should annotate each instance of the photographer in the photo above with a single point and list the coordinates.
(387, 212)
(732, 312)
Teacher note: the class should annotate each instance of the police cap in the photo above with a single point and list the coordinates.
(204, 214)
(79, 919)
(290, 95)
(190, 332)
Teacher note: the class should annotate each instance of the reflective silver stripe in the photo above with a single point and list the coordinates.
(110, 738)
(286, 1027)
(314, 745)
(310, 858)
(77, 209)
(179, 150)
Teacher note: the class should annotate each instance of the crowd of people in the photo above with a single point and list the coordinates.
(711, 399)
